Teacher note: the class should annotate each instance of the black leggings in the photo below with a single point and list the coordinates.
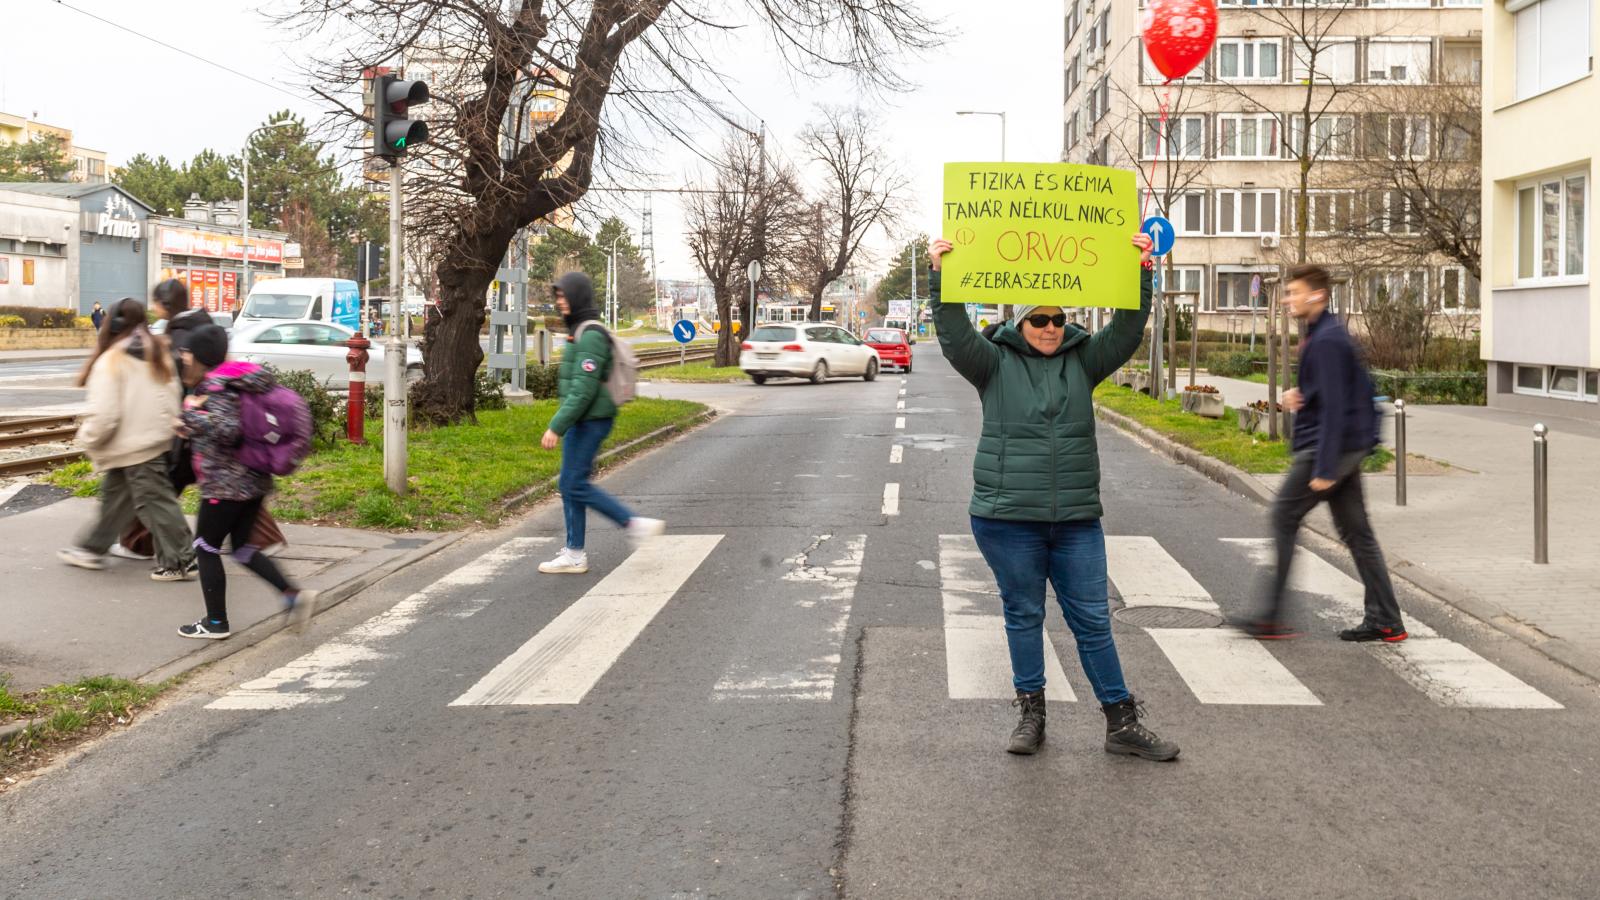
(218, 521)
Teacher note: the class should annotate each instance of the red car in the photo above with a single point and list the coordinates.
(893, 346)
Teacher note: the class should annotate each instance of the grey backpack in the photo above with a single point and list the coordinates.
(622, 382)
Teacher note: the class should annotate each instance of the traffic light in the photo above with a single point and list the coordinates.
(392, 133)
(369, 261)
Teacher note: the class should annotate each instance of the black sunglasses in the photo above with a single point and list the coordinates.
(1040, 320)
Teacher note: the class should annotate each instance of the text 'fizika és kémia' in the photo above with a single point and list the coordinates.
(1053, 210)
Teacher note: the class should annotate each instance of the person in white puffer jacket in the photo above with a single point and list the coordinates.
(130, 423)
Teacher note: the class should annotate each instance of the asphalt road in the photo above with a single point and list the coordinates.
(44, 385)
(775, 702)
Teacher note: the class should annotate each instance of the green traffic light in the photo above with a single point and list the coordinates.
(400, 143)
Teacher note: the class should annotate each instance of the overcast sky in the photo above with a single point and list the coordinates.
(1001, 55)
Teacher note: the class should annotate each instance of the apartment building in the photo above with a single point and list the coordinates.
(88, 166)
(1223, 170)
(1541, 321)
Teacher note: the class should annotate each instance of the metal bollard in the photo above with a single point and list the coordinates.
(1399, 453)
(1541, 494)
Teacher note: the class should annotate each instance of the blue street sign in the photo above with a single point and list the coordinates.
(1162, 235)
(683, 330)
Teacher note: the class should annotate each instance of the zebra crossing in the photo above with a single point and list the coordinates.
(808, 611)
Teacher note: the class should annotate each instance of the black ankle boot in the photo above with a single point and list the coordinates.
(1125, 735)
(1029, 733)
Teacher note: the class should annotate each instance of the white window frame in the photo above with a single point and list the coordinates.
(1179, 214)
(1562, 180)
(1199, 273)
(1254, 47)
(1257, 195)
(1543, 390)
(1475, 76)
(1316, 199)
(1221, 272)
(1523, 89)
(1458, 306)
(1397, 207)
(1328, 148)
(1550, 383)
(1269, 137)
(1426, 59)
(1414, 125)
(1299, 53)
(1180, 126)
(1398, 277)
(1588, 395)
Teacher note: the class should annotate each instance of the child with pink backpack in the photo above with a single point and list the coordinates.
(245, 428)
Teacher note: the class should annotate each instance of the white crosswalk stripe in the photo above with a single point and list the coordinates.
(806, 662)
(349, 660)
(1447, 672)
(561, 663)
(977, 662)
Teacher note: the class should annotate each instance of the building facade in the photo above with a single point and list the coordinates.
(38, 250)
(1541, 329)
(205, 250)
(88, 166)
(1222, 170)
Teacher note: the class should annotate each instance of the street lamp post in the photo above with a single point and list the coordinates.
(245, 218)
(1001, 114)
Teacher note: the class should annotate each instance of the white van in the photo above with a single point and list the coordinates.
(336, 300)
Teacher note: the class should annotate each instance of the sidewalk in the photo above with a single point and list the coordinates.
(59, 623)
(1466, 533)
(16, 356)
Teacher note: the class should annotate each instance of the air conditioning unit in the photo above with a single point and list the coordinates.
(1269, 241)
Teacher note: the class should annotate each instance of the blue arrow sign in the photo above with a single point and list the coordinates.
(1162, 235)
(683, 330)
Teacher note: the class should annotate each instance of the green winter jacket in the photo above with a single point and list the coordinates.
(1037, 460)
(582, 381)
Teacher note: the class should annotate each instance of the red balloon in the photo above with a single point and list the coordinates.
(1178, 34)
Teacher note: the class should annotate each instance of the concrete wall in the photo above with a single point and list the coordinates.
(29, 219)
(112, 267)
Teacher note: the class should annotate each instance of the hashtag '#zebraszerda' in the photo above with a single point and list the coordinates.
(966, 280)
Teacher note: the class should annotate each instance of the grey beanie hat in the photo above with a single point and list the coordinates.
(1018, 313)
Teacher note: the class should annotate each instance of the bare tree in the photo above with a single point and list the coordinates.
(862, 190)
(626, 76)
(724, 224)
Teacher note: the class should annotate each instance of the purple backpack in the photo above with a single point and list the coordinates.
(275, 428)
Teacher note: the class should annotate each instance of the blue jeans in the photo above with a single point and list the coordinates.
(579, 446)
(1072, 556)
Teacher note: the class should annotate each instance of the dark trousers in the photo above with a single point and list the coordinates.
(1296, 500)
(141, 491)
(221, 520)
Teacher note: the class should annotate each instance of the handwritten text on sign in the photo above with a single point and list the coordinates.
(1048, 234)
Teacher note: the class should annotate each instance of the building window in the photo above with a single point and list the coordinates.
(1400, 213)
(1332, 137)
(1188, 280)
(1102, 35)
(1233, 291)
(1462, 63)
(5, 270)
(1457, 138)
(1565, 381)
(1247, 212)
(1552, 226)
(1247, 60)
(1185, 138)
(1328, 212)
(1552, 44)
(1399, 62)
(1247, 137)
(1072, 75)
(1530, 380)
(1561, 382)
(1152, 75)
(1408, 285)
(1336, 61)
(1458, 290)
(1187, 212)
(1398, 137)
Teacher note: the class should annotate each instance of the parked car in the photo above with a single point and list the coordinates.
(815, 351)
(893, 346)
(315, 346)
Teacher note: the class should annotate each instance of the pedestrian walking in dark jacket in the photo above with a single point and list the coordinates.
(231, 493)
(1335, 428)
(1036, 496)
(580, 426)
(97, 316)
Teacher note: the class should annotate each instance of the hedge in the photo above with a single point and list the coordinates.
(41, 316)
(1457, 388)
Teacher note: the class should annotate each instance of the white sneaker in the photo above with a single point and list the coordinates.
(118, 550)
(568, 562)
(305, 606)
(641, 529)
(83, 559)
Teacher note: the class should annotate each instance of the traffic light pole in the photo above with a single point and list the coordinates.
(394, 351)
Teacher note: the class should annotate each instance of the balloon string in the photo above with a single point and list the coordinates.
(1161, 132)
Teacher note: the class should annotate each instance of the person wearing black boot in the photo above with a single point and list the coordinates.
(1036, 496)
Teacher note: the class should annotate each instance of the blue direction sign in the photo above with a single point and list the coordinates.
(683, 330)
(1162, 235)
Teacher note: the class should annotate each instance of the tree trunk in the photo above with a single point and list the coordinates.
(727, 341)
(451, 352)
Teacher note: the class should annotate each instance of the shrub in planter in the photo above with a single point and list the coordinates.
(327, 419)
(1232, 365)
(41, 317)
(11, 321)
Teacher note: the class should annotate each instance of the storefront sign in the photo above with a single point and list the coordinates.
(116, 219)
(1051, 234)
(183, 242)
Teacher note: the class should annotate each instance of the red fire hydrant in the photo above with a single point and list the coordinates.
(356, 409)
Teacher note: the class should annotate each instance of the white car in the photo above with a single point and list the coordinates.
(315, 346)
(817, 351)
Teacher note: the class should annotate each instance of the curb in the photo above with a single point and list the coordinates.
(9, 733)
(273, 624)
(1584, 662)
(540, 491)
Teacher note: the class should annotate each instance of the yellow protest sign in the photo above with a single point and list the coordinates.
(1046, 234)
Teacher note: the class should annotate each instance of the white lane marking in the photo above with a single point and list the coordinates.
(900, 422)
(561, 663)
(8, 492)
(902, 390)
(977, 658)
(902, 381)
(891, 499)
(900, 404)
(814, 627)
(1447, 672)
(896, 453)
(1219, 666)
(349, 660)
(1147, 575)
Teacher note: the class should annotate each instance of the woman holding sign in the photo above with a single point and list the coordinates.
(1036, 498)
